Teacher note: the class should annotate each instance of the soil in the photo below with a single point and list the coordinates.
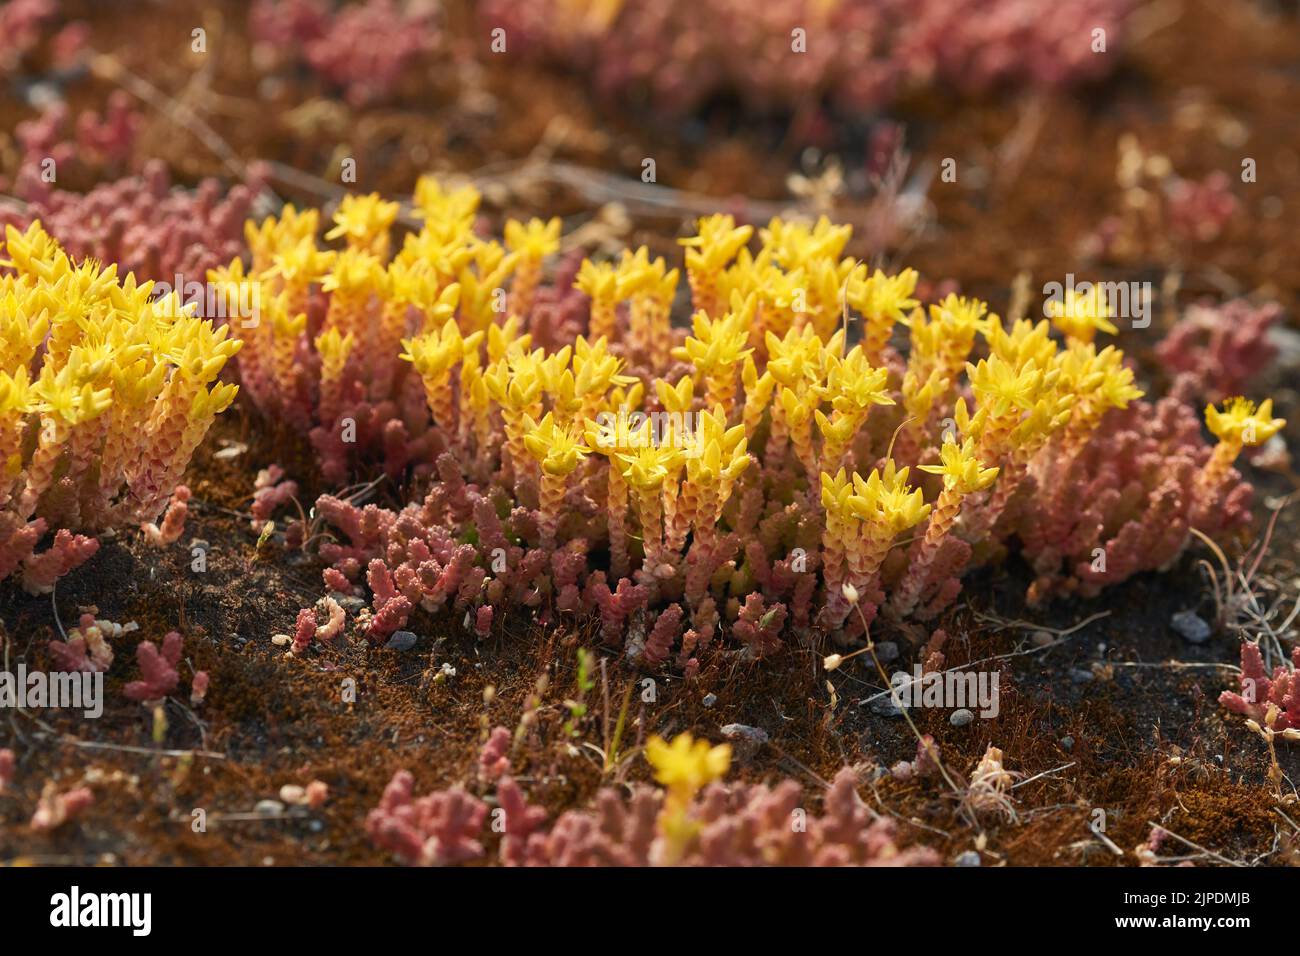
(1120, 715)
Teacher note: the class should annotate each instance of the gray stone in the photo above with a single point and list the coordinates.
(967, 858)
(709, 700)
(886, 651)
(1190, 627)
(885, 707)
(401, 641)
(1080, 676)
(1067, 744)
(745, 732)
(269, 808)
(960, 718)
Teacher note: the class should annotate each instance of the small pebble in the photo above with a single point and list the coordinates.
(293, 794)
(1190, 627)
(1042, 638)
(967, 858)
(886, 651)
(709, 700)
(960, 718)
(755, 735)
(280, 640)
(1067, 743)
(401, 641)
(1080, 676)
(885, 707)
(269, 808)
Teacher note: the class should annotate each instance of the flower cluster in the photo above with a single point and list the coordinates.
(745, 473)
(693, 820)
(105, 392)
(855, 54)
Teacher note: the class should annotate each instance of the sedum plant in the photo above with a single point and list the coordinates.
(814, 432)
(105, 392)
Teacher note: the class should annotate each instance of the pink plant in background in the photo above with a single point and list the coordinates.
(144, 225)
(199, 688)
(1223, 347)
(56, 808)
(158, 670)
(94, 146)
(494, 759)
(784, 55)
(1161, 214)
(22, 23)
(362, 48)
(271, 491)
(173, 525)
(436, 829)
(1199, 210)
(1260, 693)
(87, 647)
(66, 552)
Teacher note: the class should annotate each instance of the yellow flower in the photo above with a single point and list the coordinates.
(853, 383)
(687, 765)
(1081, 315)
(649, 467)
(435, 353)
(65, 395)
(276, 234)
(535, 240)
(718, 343)
(797, 244)
(961, 468)
(1002, 388)
(716, 243)
(558, 450)
(363, 222)
(884, 498)
(883, 297)
(1240, 423)
(837, 490)
(456, 207)
(354, 272)
(598, 280)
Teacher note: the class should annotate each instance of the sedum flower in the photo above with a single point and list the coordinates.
(557, 449)
(363, 222)
(1241, 423)
(687, 765)
(1238, 425)
(1081, 315)
(885, 499)
(962, 471)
